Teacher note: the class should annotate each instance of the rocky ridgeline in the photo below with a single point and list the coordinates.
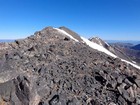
(49, 68)
(115, 50)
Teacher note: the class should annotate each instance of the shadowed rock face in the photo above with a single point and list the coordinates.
(50, 70)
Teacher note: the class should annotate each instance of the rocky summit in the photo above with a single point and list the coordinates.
(55, 66)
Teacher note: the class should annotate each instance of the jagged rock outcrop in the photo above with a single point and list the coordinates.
(50, 68)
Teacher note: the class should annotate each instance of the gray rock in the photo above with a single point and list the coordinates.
(49, 68)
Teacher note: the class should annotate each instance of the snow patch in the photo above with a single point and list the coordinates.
(98, 39)
(65, 33)
(134, 65)
(98, 47)
(100, 43)
(134, 62)
(106, 43)
(102, 49)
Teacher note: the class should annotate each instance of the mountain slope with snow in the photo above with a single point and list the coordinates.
(65, 33)
(56, 66)
(98, 46)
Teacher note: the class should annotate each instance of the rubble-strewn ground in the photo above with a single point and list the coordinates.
(52, 69)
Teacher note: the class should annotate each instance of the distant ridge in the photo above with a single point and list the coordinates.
(135, 42)
(7, 40)
(136, 47)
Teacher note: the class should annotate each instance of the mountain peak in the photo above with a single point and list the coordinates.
(99, 41)
(57, 66)
(72, 33)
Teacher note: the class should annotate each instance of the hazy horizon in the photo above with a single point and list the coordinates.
(109, 41)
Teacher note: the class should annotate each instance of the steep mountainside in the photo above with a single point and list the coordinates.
(56, 66)
(129, 51)
(114, 50)
(122, 50)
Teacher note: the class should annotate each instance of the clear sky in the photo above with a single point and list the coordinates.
(108, 19)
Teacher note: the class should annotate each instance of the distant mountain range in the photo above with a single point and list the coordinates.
(134, 42)
(132, 51)
(6, 40)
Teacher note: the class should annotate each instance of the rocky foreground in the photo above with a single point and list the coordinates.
(49, 68)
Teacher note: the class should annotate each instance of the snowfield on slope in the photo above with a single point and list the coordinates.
(134, 65)
(102, 49)
(65, 33)
(97, 47)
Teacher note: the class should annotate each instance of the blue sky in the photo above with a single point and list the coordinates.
(108, 19)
